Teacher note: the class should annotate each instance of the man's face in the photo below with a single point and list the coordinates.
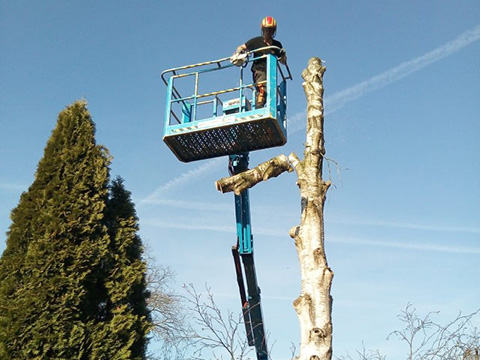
(268, 32)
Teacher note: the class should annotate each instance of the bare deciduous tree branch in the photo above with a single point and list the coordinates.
(214, 330)
(428, 340)
(167, 312)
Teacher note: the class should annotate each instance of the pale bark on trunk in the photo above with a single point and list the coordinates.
(314, 305)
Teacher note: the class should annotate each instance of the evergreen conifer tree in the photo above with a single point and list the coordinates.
(126, 308)
(65, 293)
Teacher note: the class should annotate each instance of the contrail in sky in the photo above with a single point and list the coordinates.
(181, 180)
(429, 247)
(410, 246)
(441, 228)
(190, 205)
(340, 99)
(14, 187)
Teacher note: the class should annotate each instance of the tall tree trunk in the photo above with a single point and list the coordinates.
(314, 305)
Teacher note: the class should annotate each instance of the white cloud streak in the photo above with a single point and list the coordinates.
(186, 226)
(414, 226)
(338, 100)
(332, 239)
(409, 246)
(266, 210)
(189, 205)
(183, 179)
(13, 187)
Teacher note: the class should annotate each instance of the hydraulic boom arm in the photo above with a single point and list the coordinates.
(251, 306)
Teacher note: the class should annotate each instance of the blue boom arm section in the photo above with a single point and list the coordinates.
(200, 125)
(251, 305)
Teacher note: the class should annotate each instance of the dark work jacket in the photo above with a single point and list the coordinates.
(257, 43)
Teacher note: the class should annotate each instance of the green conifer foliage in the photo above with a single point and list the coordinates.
(126, 310)
(61, 261)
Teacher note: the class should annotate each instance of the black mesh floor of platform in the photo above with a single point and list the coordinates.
(231, 139)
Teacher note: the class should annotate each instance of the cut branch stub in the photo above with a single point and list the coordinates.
(264, 171)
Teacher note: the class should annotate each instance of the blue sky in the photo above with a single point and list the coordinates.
(402, 122)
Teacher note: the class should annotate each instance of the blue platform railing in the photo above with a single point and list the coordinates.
(232, 123)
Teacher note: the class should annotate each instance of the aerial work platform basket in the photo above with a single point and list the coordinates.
(203, 122)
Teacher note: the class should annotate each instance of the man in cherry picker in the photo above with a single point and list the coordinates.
(259, 67)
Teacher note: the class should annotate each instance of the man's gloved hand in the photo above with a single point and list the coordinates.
(282, 56)
(239, 58)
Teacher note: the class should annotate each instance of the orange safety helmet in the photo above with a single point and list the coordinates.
(269, 22)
